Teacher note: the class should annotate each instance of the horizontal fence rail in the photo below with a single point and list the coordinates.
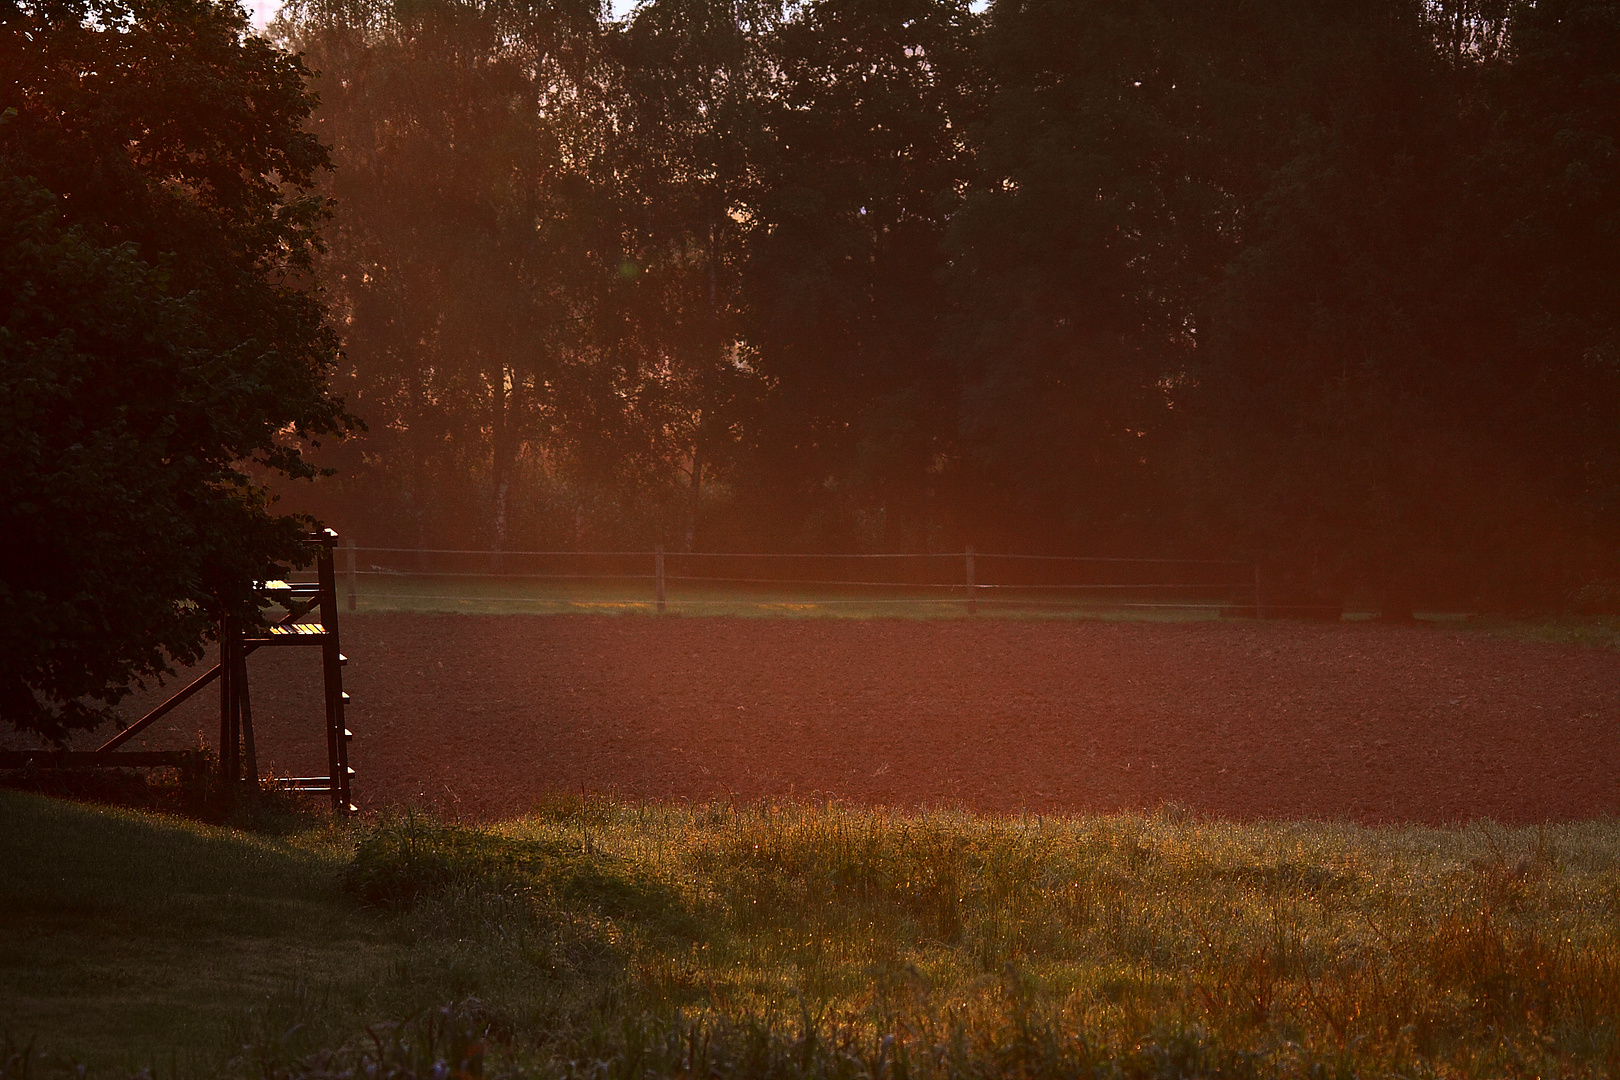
(405, 577)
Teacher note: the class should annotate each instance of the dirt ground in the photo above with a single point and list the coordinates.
(482, 716)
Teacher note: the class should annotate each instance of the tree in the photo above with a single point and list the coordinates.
(1553, 170)
(161, 340)
(1403, 377)
(692, 77)
(1332, 435)
(463, 250)
(844, 296)
(1075, 261)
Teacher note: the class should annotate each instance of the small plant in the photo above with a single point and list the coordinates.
(446, 1043)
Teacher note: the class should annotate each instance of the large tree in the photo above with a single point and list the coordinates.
(1075, 261)
(161, 340)
(692, 83)
(1406, 380)
(844, 295)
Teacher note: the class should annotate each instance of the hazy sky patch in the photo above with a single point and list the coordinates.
(262, 11)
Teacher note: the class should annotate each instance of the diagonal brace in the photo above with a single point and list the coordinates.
(164, 709)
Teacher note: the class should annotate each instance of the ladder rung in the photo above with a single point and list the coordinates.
(285, 781)
(289, 634)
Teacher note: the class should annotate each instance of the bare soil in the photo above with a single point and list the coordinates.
(483, 716)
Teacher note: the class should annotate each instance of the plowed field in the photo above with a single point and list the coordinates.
(485, 715)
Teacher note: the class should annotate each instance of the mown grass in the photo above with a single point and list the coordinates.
(613, 940)
(516, 595)
(1602, 631)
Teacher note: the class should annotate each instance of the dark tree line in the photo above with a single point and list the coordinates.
(1334, 286)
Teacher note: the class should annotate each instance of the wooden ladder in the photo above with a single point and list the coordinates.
(238, 757)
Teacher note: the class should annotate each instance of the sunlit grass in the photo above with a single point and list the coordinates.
(1460, 948)
(1599, 630)
(822, 941)
(516, 595)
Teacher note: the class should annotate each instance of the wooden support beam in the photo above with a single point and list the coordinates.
(160, 712)
(250, 755)
(227, 730)
(185, 694)
(133, 759)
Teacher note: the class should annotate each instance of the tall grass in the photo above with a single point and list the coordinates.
(938, 943)
(604, 939)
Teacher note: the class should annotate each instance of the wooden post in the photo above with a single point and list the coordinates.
(348, 547)
(227, 678)
(972, 584)
(250, 755)
(658, 577)
(337, 750)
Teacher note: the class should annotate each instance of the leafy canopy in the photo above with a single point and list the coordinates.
(161, 339)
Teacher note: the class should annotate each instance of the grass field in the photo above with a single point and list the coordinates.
(486, 594)
(1601, 631)
(617, 940)
(494, 594)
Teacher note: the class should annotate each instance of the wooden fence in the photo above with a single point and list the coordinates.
(660, 579)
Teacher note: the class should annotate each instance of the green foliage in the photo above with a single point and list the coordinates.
(843, 293)
(159, 339)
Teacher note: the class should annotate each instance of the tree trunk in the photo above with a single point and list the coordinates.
(694, 496)
(1397, 604)
(419, 501)
(710, 357)
(500, 437)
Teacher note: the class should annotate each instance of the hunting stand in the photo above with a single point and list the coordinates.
(238, 757)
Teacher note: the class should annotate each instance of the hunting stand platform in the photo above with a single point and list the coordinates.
(238, 758)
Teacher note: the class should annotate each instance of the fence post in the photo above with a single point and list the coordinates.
(972, 585)
(658, 577)
(348, 548)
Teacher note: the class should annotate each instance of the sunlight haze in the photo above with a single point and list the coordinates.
(263, 11)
